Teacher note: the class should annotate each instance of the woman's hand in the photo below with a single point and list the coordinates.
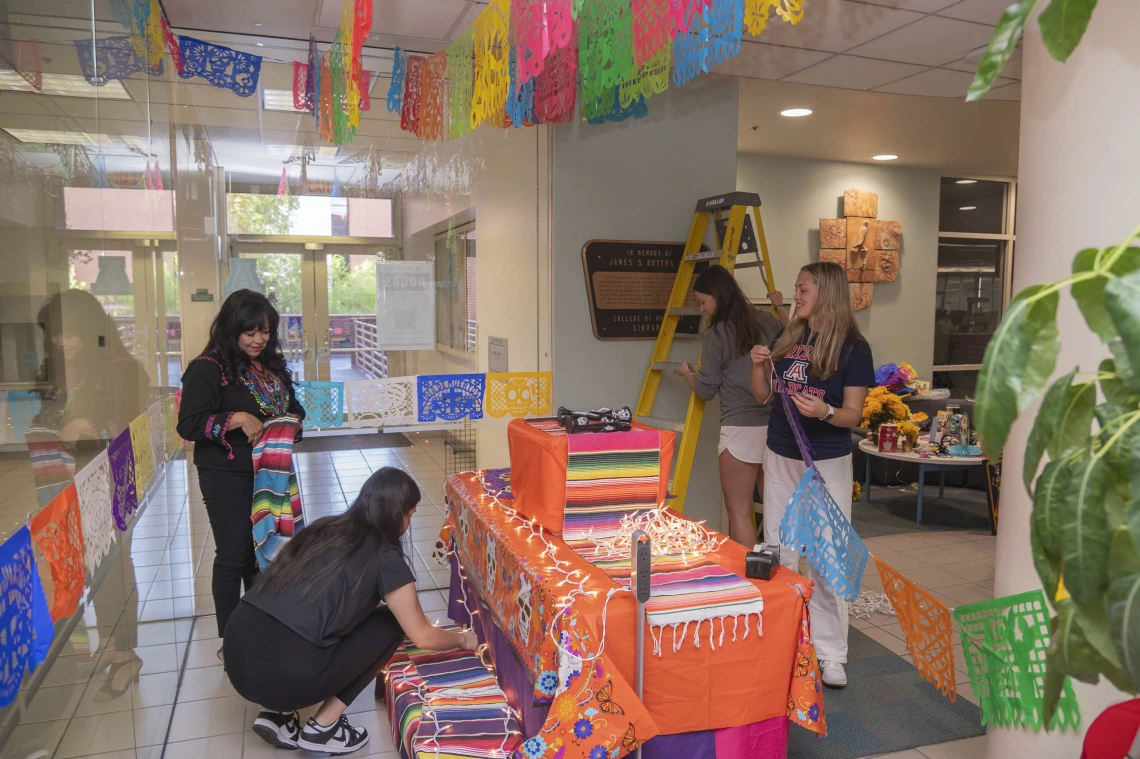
(761, 354)
(777, 298)
(810, 405)
(249, 424)
(682, 369)
(470, 639)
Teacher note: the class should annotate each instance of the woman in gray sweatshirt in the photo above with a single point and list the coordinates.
(735, 325)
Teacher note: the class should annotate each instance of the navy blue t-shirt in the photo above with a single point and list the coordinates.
(856, 369)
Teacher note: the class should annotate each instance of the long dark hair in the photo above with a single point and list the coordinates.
(319, 551)
(732, 306)
(243, 311)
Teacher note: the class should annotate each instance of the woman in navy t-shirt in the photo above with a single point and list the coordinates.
(826, 366)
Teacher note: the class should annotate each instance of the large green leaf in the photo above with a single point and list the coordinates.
(1053, 407)
(1054, 687)
(1084, 551)
(1124, 623)
(1128, 372)
(1075, 423)
(1123, 554)
(1122, 299)
(1113, 388)
(1019, 359)
(1048, 567)
(1069, 650)
(1001, 47)
(1049, 507)
(1063, 24)
(1089, 293)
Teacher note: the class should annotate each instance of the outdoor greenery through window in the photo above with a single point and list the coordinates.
(455, 288)
(309, 215)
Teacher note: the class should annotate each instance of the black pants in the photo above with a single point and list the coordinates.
(229, 503)
(272, 666)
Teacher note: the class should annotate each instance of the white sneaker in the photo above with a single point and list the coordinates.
(338, 738)
(834, 675)
(278, 729)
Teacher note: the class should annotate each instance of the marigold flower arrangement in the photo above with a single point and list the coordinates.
(883, 406)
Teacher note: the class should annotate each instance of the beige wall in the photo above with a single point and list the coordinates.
(637, 181)
(797, 192)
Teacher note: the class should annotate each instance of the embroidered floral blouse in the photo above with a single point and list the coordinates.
(209, 402)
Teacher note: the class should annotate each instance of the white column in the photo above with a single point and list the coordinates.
(1079, 187)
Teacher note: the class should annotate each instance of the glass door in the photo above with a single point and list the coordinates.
(351, 302)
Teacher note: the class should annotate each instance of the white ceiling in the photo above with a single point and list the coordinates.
(912, 47)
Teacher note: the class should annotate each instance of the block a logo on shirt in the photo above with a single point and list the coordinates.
(797, 372)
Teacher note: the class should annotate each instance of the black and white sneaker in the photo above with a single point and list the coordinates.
(338, 738)
(277, 729)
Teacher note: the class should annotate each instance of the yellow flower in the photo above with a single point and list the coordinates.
(908, 429)
(919, 417)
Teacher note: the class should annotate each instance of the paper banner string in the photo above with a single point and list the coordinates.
(605, 50)
(153, 33)
(28, 63)
(312, 74)
(93, 489)
(926, 625)
(519, 394)
(432, 97)
(556, 90)
(144, 458)
(726, 30)
(652, 79)
(23, 643)
(520, 97)
(1004, 642)
(531, 37)
(611, 109)
(492, 61)
(325, 125)
(283, 185)
(396, 87)
(220, 66)
(450, 397)
(56, 530)
(116, 58)
(124, 499)
(413, 86)
(756, 13)
(685, 14)
(323, 403)
(172, 47)
(460, 84)
(814, 524)
(652, 29)
(690, 53)
(300, 76)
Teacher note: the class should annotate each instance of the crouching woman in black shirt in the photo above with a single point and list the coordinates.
(312, 629)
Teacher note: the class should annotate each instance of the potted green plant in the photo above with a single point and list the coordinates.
(1085, 524)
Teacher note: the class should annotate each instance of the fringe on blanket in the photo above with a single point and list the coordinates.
(716, 638)
(277, 515)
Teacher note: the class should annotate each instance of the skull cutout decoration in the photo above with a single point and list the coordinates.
(492, 566)
(464, 521)
(525, 611)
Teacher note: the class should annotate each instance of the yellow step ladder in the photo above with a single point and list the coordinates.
(740, 206)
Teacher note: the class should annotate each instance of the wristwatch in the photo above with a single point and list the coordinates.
(830, 413)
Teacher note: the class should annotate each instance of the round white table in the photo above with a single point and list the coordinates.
(930, 463)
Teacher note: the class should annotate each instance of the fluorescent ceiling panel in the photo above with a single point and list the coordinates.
(63, 85)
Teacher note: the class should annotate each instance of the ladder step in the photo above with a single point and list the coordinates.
(704, 255)
(685, 311)
(748, 265)
(662, 424)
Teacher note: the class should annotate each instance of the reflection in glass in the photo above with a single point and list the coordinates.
(975, 206)
(968, 302)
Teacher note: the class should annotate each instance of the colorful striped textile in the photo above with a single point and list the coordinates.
(447, 705)
(53, 466)
(617, 474)
(548, 425)
(276, 498)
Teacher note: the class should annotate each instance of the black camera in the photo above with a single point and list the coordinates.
(763, 562)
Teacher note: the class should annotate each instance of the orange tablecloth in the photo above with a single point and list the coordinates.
(694, 688)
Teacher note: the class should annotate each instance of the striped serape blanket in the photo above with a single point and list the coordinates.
(276, 498)
(448, 705)
(613, 475)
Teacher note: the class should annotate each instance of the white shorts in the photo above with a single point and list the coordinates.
(747, 444)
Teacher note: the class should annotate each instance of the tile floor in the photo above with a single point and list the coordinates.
(156, 600)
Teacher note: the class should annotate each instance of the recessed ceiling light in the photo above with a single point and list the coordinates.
(966, 181)
(884, 157)
(968, 208)
(794, 113)
(261, 44)
(63, 85)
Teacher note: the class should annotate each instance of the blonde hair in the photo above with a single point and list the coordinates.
(834, 319)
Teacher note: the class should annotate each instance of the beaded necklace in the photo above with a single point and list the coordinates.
(267, 389)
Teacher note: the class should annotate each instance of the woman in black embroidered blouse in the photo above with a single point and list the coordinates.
(239, 381)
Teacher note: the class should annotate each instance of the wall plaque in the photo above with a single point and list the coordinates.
(628, 284)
